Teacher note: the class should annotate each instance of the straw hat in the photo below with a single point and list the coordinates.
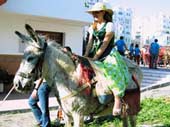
(100, 7)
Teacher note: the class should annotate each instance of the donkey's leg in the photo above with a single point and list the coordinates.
(129, 120)
(132, 120)
(78, 119)
(125, 121)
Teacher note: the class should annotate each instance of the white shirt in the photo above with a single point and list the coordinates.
(109, 27)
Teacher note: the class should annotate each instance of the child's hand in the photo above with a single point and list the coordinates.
(34, 94)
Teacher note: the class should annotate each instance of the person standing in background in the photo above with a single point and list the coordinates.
(137, 54)
(131, 53)
(121, 46)
(154, 53)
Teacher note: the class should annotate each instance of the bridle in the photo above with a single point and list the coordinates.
(24, 75)
(32, 74)
(36, 72)
(38, 69)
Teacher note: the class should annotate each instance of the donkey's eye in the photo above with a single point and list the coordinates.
(30, 59)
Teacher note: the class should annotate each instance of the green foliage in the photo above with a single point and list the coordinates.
(86, 5)
(154, 111)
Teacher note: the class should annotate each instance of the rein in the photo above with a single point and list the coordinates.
(74, 93)
(7, 95)
(38, 65)
(22, 74)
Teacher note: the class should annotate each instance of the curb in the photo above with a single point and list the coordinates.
(24, 110)
(15, 111)
(155, 86)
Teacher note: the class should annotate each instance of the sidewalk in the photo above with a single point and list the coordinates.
(19, 102)
(14, 105)
(160, 91)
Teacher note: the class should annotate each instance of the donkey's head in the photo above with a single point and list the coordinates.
(30, 66)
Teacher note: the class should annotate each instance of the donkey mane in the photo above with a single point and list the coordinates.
(65, 57)
(60, 65)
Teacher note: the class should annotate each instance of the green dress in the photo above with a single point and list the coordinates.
(111, 63)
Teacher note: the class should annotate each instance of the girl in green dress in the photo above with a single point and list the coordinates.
(100, 49)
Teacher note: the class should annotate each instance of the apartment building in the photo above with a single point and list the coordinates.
(123, 22)
(149, 28)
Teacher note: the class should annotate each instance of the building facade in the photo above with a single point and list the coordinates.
(63, 21)
(61, 17)
(148, 28)
(123, 23)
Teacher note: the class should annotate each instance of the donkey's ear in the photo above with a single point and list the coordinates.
(38, 42)
(23, 37)
(31, 32)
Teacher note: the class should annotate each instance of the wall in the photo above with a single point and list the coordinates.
(11, 22)
(10, 63)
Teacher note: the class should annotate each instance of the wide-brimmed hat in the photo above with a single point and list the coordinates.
(100, 7)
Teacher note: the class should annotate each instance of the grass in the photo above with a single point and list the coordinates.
(153, 111)
(109, 121)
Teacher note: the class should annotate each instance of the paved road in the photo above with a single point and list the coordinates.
(157, 92)
(18, 101)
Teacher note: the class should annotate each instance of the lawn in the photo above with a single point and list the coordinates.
(153, 112)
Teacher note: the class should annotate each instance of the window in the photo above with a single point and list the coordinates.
(21, 46)
(57, 37)
(127, 32)
(120, 13)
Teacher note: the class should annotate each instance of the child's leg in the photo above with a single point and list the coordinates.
(117, 106)
(60, 114)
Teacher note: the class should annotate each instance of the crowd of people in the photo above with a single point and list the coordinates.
(147, 56)
(137, 55)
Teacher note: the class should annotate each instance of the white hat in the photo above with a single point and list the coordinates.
(100, 7)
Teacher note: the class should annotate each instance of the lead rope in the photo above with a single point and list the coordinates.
(7, 95)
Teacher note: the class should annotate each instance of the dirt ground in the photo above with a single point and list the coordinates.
(27, 119)
(22, 119)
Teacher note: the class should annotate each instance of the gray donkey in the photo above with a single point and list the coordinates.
(47, 60)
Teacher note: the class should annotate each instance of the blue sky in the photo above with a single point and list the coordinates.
(145, 7)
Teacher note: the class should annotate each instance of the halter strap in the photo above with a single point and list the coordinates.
(24, 75)
(75, 92)
(41, 60)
